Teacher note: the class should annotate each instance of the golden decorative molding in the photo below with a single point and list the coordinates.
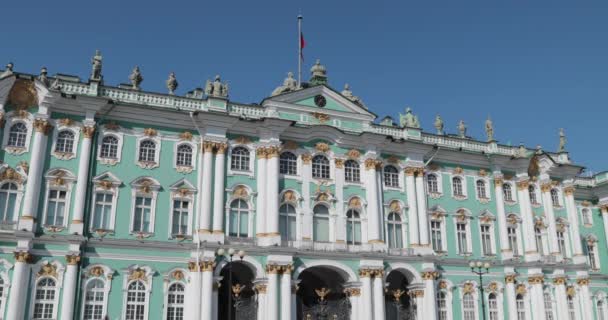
(23, 256)
(521, 289)
(536, 280)
(510, 278)
(353, 154)
(417, 293)
(23, 94)
(260, 152)
(186, 135)
(242, 140)
(482, 173)
(322, 147)
(221, 147)
(322, 293)
(352, 292)
(72, 259)
(321, 117)
(112, 126)
(571, 291)
(410, 171)
(395, 206)
(582, 281)
(523, 185)
(430, 275)
(443, 285)
(339, 163)
(290, 145)
(240, 192)
(105, 184)
(65, 122)
(88, 131)
(207, 146)
(138, 274)
(290, 196)
(354, 203)
(498, 182)
(370, 164)
(273, 268)
(468, 288)
(261, 288)
(458, 170)
(207, 266)
(493, 287)
(150, 132)
(193, 267)
(569, 191)
(365, 273)
(177, 275)
(10, 174)
(96, 271)
(393, 160)
(306, 158)
(42, 126)
(272, 152)
(546, 187)
(47, 270)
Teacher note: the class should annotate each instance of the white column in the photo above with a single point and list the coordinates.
(32, 187)
(419, 300)
(294, 301)
(260, 222)
(536, 297)
(430, 308)
(510, 295)
(527, 219)
(19, 285)
(561, 298)
(410, 189)
(502, 219)
(366, 293)
(272, 194)
(207, 290)
(573, 219)
(585, 298)
(371, 193)
(262, 301)
(378, 295)
(205, 220)
(604, 213)
(423, 226)
(551, 229)
(341, 213)
(272, 313)
(215, 299)
(286, 294)
(82, 179)
(305, 220)
(218, 189)
(193, 293)
(70, 279)
(354, 296)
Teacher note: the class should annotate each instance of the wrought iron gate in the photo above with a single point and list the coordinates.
(395, 310)
(246, 308)
(324, 309)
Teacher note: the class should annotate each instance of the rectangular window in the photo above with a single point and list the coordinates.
(538, 236)
(181, 209)
(512, 236)
(55, 211)
(592, 257)
(486, 240)
(436, 236)
(103, 211)
(561, 243)
(461, 234)
(141, 218)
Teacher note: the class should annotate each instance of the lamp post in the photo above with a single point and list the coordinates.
(231, 253)
(477, 267)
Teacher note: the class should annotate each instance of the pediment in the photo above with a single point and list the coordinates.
(107, 176)
(182, 184)
(303, 100)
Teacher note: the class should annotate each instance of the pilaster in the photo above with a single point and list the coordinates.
(410, 189)
(531, 252)
(82, 179)
(545, 188)
(506, 253)
(19, 285)
(575, 235)
(69, 287)
(218, 189)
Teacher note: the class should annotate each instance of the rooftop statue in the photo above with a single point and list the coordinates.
(43, 77)
(490, 129)
(172, 83)
(439, 124)
(408, 119)
(387, 121)
(319, 74)
(8, 71)
(562, 140)
(96, 66)
(216, 88)
(289, 84)
(348, 94)
(462, 129)
(136, 78)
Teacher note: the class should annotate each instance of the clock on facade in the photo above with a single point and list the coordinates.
(320, 101)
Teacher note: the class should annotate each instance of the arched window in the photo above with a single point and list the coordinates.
(353, 227)
(320, 223)
(17, 135)
(351, 171)
(239, 219)
(481, 189)
(175, 302)
(287, 222)
(320, 167)
(65, 142)
(507, 192)
(137, 301)
(239, 159)
(492, 306)
(94, 300)
(457, 187)
(184, 156)
(391, 177)
(601, 310)
(432, 185)
(468, 306)
(147, 151)
(548, 306)
(44, 301)
(288, 163)
(109, 148)
(394, 228)
(532, 193)
(555, 197)
(8, 200)
(521, 307)
(587, 218)
(442, 306)
(571, 307)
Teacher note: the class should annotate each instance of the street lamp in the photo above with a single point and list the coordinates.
(231, 252)
(477, 267)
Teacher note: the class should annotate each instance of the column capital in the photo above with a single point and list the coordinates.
(569, 191)
(523, 185)
(536, 280)
(23, 256)
(221, 147)
(306, 158)
(88, 131)
(208, 146)
(43, 126)
(430, 275)
(273, 268)
(273, 152)
(559, 281)
(339, 163)
(510, 278)
(207, 265)
(372, 164)
(193, 266)
(371, 272)
(604, 208)
(546, 187)
(353, 292)
(72, 259)
(412, 171)
(582, 281)
(417, 293)
(498, 181)
(261, 288)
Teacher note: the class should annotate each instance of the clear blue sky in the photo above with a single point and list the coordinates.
(533, 66)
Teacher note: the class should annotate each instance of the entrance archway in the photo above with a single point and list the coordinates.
(243, 300)
(321, 295)
(397, 302)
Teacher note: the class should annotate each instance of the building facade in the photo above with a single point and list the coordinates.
(117, 203)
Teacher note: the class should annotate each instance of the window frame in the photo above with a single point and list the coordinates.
(249, 212)
(462, 216)
(102, 276)
(587, 217)
(287, 236)
(138, 187)
(489, 223)
(324, 216)
(474, 308)
(19, 192)
(250, 164)
(354, 221)
(51, 179)
(330, 172)
(401, 224)
(296, 165)
(168, 304)
(486, 191)
(395, 177)
(442, 221)
(193, 154)
(351, 168)
(548, 309)
(463, 186)
(67, 154)
(57, 277)
(437, 177)
(510, 189)
(120, 137)
(11, 119)
(105, 183)
(555, 196)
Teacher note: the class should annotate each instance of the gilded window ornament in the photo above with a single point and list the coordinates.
(289, 196)
(290, 145)
(354, 203)
(42, 126)
(482, 173)
(322, 293)
(521, 289)
(353, 154)
(468, 288)
(67, 122)
(443, 285)
(112, 126)
(240, 192)
(395, 206)
(138, 274)
(306, 158)
(150, 132)
(323, 197)
(571, 291)
(321, 117)
(322, 147)
(458, 170)
(339, 163)
(186, 135)
(11, 174)
(21, 114)
(493, 287)
(585, 203)
(96, 271)
(177, 275)
(47, 270)
(242, 140)
(392, 160)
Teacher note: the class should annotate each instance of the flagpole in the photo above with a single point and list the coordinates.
(299, 51)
